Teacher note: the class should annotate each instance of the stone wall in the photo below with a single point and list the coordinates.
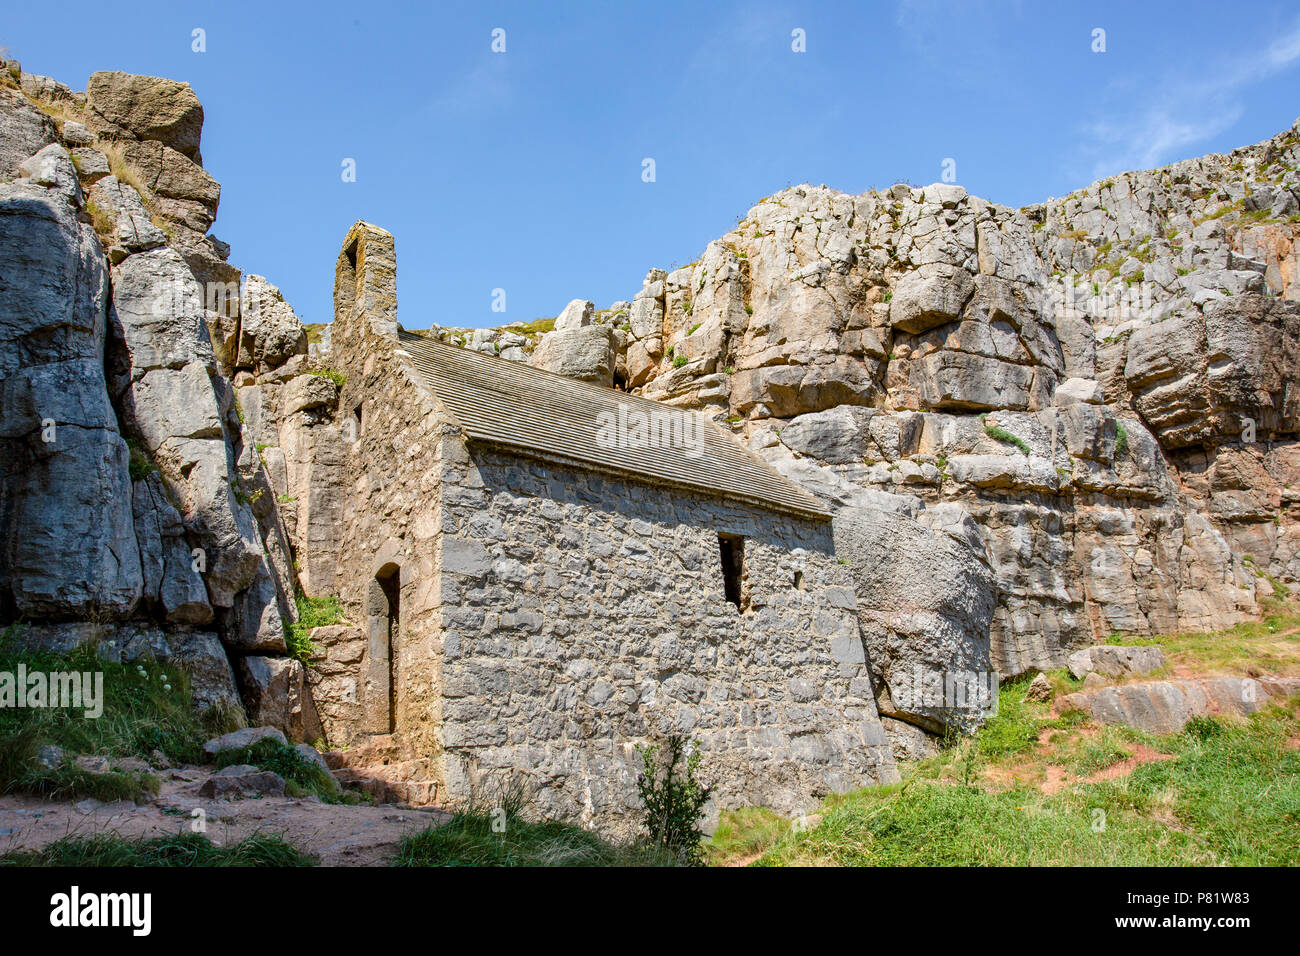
(388, 495)
(552, 619)
(583, 615)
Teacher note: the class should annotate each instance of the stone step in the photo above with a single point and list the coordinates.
(385, 767)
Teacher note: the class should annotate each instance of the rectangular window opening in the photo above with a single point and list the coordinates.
(732, 550)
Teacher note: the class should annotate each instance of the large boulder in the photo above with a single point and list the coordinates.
(1165, 707)
(24, 131)
(276, 695)
(1111, 660)
(239, 739)
(212, 680)
(269, 331)
(926, 596)
(584, 352)
(147, 107)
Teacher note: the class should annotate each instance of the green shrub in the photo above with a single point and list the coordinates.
(140, 464)
(1202, 728)
(333, 374)
(1121, 438)
(673, 799)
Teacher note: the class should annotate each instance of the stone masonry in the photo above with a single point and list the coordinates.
(549, 618)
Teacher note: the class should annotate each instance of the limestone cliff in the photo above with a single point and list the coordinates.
(136, 509)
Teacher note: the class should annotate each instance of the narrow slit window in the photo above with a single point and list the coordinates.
(732, 551)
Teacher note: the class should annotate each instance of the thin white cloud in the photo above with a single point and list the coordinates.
(1181, 110)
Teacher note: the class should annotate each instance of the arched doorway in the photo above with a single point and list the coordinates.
(384, 612)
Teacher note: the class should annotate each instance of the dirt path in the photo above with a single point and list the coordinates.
(339, 835)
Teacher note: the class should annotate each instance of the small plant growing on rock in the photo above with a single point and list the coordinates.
(673, 799)
(1002, 435)
(333, 374)
(312, 612)
(1121, 438)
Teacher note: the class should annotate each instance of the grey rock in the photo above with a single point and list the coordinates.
(238, 739)
(584, 352)
(64, 484)
(576, 314)
(929, 296)
(242, 780)
(24, 131)
(1164, 707)
(269, 331)
(1116, 661)
(50, 757)
(212, 680)
(276, 694)
(52, 167)
(148, 107)
(920, 637)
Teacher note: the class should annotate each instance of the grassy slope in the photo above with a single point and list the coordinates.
(1222, 792)
(147, 706)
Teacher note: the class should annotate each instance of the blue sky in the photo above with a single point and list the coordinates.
(522, 170)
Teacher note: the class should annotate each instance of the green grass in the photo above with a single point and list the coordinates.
(491, 830)
(1121, 438)
(140, 464)
(1267, 646)
(147, 706)
(1229, 797)
(183, 849)
(535, 327)
(745, 833)
(468, 839)
(312, 612)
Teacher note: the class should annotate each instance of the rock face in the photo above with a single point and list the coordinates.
(131, 493)
(65, 492)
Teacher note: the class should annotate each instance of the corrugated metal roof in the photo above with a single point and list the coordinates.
(513, 405)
